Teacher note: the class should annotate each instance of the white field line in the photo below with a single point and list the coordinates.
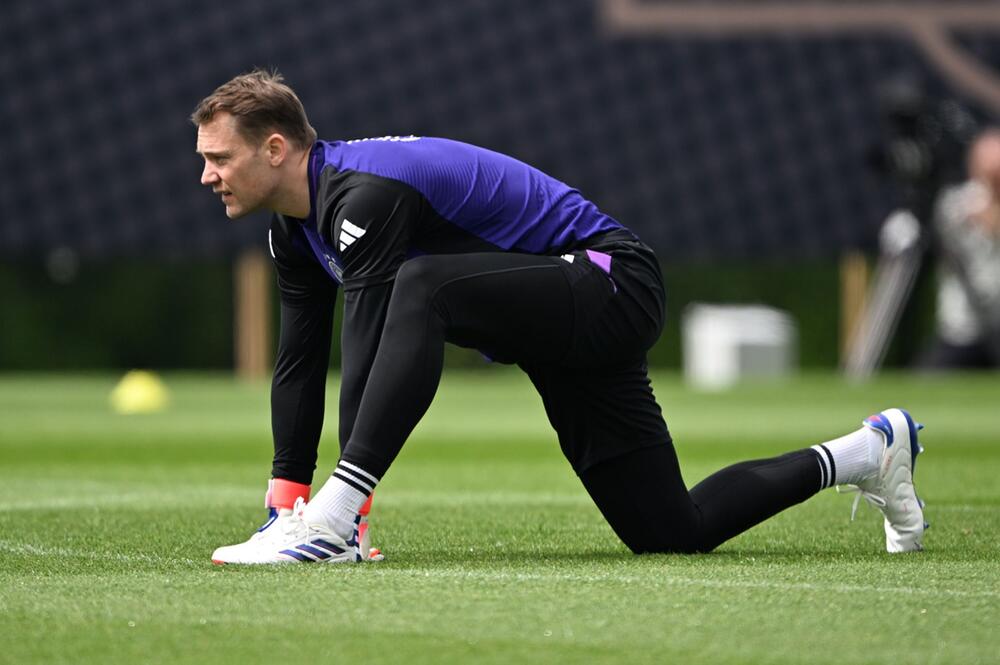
(66, 553)
(961, 508)
(655, 579)
(170, 498)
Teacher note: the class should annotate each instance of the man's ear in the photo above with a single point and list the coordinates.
(277, 149)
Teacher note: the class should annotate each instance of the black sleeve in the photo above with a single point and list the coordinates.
(371, 227)
(298, 390)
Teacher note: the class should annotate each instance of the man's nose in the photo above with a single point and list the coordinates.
(208, 175)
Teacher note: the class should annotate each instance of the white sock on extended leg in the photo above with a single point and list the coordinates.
(851, 458)
(337, 503)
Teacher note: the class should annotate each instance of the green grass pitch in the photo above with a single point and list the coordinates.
(494, 552)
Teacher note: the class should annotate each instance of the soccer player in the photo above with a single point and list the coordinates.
(437, 241)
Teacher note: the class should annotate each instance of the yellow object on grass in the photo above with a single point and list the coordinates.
(140, 391)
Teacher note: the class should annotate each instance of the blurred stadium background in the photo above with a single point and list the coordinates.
(742, 156)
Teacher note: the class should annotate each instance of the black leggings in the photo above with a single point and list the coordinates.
(510, 306)
(643, 498)
(581, 333)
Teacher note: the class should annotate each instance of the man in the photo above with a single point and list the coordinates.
(967, 225)
(437, 241)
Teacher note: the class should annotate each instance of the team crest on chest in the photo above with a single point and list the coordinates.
(337, 271)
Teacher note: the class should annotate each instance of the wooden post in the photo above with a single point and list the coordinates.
(854, 273)
(252, 320)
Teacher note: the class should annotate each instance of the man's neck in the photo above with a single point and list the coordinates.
(294, 200)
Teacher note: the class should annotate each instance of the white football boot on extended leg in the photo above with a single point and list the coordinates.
(891, 488)
(287, 538)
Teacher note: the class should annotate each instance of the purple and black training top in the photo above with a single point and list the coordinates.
(425, 195)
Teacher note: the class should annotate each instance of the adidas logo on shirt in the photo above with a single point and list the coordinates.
(349, 233)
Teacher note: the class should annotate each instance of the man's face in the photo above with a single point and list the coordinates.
(241, 173)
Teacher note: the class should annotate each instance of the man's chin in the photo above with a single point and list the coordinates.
(236, 213)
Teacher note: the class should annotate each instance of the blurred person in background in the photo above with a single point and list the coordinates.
(967, 226)
(437, 241)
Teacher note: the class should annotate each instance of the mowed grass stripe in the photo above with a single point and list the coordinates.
(70, 498)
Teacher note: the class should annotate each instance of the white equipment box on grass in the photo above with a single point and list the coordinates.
(726, 343)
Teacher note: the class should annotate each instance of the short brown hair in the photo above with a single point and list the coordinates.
(261, 103)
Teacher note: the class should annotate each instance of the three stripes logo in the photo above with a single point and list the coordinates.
(349, 234)
(315, 550)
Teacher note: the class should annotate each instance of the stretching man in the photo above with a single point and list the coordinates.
(436, 241)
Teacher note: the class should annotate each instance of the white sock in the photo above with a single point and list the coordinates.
(851, 458)
(337, 503)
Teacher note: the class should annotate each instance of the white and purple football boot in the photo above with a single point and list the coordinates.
(891, 488)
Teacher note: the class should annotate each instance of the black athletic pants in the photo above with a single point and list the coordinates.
(580, 326)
